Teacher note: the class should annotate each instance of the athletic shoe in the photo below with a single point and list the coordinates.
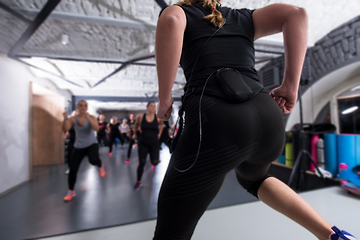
(110, 153)
(102, 172)
(137, 185)
(340, 235)
(69, 195)
(67, 171)
(153, 167)
(127, 160)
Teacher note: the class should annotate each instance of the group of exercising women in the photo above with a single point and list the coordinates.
(146, 129)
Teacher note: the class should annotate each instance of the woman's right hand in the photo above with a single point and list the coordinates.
(164, 108)
(285, 99)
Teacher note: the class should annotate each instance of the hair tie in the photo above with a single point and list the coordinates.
(213, 8)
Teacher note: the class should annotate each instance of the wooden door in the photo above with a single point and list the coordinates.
(47, 134)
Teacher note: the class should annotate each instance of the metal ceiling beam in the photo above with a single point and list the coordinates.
(94, 60)
(121, 67)
(120, 99)
(92, 19)
(35, 24)
(262, 61)
(15, 13)
(269, 51)
(161, 3)
(41, 69)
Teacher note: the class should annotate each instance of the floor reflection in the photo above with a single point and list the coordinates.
(37, 207)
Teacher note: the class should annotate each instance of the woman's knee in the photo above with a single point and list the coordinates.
(142, 162)
(251, 176)
(252, 186)
(155, 162)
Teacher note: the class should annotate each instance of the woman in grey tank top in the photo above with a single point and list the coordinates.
(85, 126)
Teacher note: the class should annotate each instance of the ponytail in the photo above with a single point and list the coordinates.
(215, 16)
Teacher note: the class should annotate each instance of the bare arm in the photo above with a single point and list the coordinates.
(137, 125)
(168, 46)
(67, 122)
(293, 22)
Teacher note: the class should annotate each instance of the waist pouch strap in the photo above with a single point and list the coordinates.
(230, 85)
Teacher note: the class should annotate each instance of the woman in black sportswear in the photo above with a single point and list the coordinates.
(131, 123)
(101, 134)
(253, 137)
(113, 126)
(147, 131)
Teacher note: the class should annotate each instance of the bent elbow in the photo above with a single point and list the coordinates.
(301, 14)
(297, 16)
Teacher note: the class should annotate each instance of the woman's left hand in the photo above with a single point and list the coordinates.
(164, 108)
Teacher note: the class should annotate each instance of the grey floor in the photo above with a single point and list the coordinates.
(254, 221)
(36, 209)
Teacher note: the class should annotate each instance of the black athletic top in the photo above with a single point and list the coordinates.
(102, 128)
(114, 128)
(232, 46)
(149, 131)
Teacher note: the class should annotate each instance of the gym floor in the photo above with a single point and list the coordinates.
(253, 220)
(36, 209)
(109, 208)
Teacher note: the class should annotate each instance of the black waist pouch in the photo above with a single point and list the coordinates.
(235, 86)
(228, 84)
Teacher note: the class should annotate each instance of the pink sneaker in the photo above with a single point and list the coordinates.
(137, 185)
(110, 153)
(153, 167)
(127, 161)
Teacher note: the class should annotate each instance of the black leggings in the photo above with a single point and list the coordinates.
(143, 150)
(124, 138)
(112, 139)
(102, 138)
(131, 143)
(70, 148)
(248, 137)
(92, 152)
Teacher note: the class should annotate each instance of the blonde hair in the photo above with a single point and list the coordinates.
(215, 17)
(81, 100)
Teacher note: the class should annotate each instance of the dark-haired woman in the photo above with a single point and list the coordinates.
(203, 37)
(131, 123)
(101, 134)
(149, 128)
(114, 128)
